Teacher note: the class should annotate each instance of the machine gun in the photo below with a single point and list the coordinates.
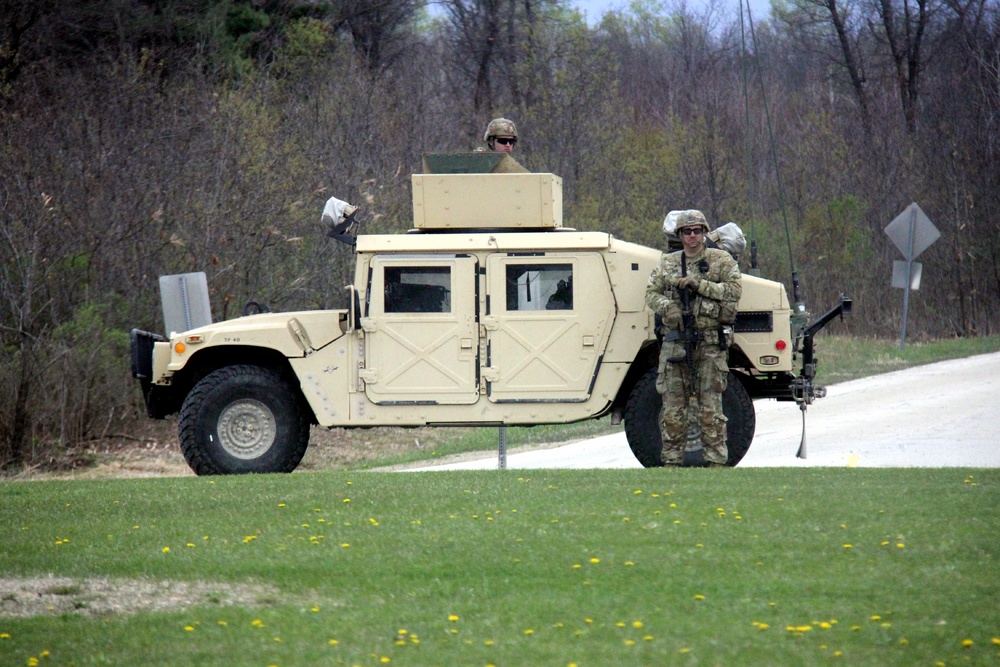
(803, 389)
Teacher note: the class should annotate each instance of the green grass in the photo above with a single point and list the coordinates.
(842, 358)
(629, 567)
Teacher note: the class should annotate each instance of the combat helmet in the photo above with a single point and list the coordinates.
(499, 127)
(678, 219)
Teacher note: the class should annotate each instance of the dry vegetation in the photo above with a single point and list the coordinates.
(141, 141)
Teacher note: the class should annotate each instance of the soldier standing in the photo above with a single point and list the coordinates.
(693, 370)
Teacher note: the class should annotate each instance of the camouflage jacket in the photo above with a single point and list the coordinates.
(718, 294)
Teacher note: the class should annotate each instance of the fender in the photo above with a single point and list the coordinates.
(292, 335)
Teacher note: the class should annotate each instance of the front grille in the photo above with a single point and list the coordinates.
(754, 321)
(142, 353)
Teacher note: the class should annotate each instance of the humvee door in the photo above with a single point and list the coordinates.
(421, 334)
(547, 323)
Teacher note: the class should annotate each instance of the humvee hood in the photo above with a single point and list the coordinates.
(293, 334)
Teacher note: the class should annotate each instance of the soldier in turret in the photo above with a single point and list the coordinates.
(695, 291)
(501, 135)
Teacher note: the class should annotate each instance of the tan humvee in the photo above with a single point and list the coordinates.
(482, 314)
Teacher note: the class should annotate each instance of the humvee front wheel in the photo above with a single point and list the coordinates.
(242, 419)
(642, 420)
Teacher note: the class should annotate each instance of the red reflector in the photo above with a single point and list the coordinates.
(780, 345)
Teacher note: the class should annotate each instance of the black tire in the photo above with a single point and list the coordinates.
(642, 416)
(243, 419)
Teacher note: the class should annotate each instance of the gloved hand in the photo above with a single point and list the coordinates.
(671, 316)
(689, 282)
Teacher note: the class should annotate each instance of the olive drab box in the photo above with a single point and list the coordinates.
(487, 311)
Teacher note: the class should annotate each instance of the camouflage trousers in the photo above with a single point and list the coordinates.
(691, 416)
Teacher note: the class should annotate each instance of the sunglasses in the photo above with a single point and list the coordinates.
(690, 231)
(505, 140)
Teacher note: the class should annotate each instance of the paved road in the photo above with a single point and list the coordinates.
(940, 415)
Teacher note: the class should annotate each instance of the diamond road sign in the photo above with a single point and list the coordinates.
(914, 223)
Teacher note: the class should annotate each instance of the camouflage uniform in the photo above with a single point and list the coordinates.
(692, 416)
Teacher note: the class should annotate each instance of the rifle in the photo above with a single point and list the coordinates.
(694, 453)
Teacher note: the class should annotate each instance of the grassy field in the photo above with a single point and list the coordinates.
(625, 567)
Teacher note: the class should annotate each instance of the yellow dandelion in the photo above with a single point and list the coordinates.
(529, 631)
(900, 545)
(223, 623)
(595, 561)
(647, 638)
(452, 618)
(333, 642)
(629, 642)
(967, 643)
(165, 550)
(995, 640)
(848, 546)
(699, 596)
(4, 635)
(189, 628)
(637, 624)
(257, 623)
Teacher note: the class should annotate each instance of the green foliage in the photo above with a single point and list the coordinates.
(305, 48)
(798, 566)
(637, 174)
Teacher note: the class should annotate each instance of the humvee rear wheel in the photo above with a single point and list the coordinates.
(242, 419)
(642, 420)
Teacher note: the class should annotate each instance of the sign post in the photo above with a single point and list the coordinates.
(912, 232)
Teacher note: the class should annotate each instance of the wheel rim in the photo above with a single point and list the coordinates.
(247, 429)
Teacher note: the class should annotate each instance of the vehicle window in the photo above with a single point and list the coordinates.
(418, 289)
(539, 287)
